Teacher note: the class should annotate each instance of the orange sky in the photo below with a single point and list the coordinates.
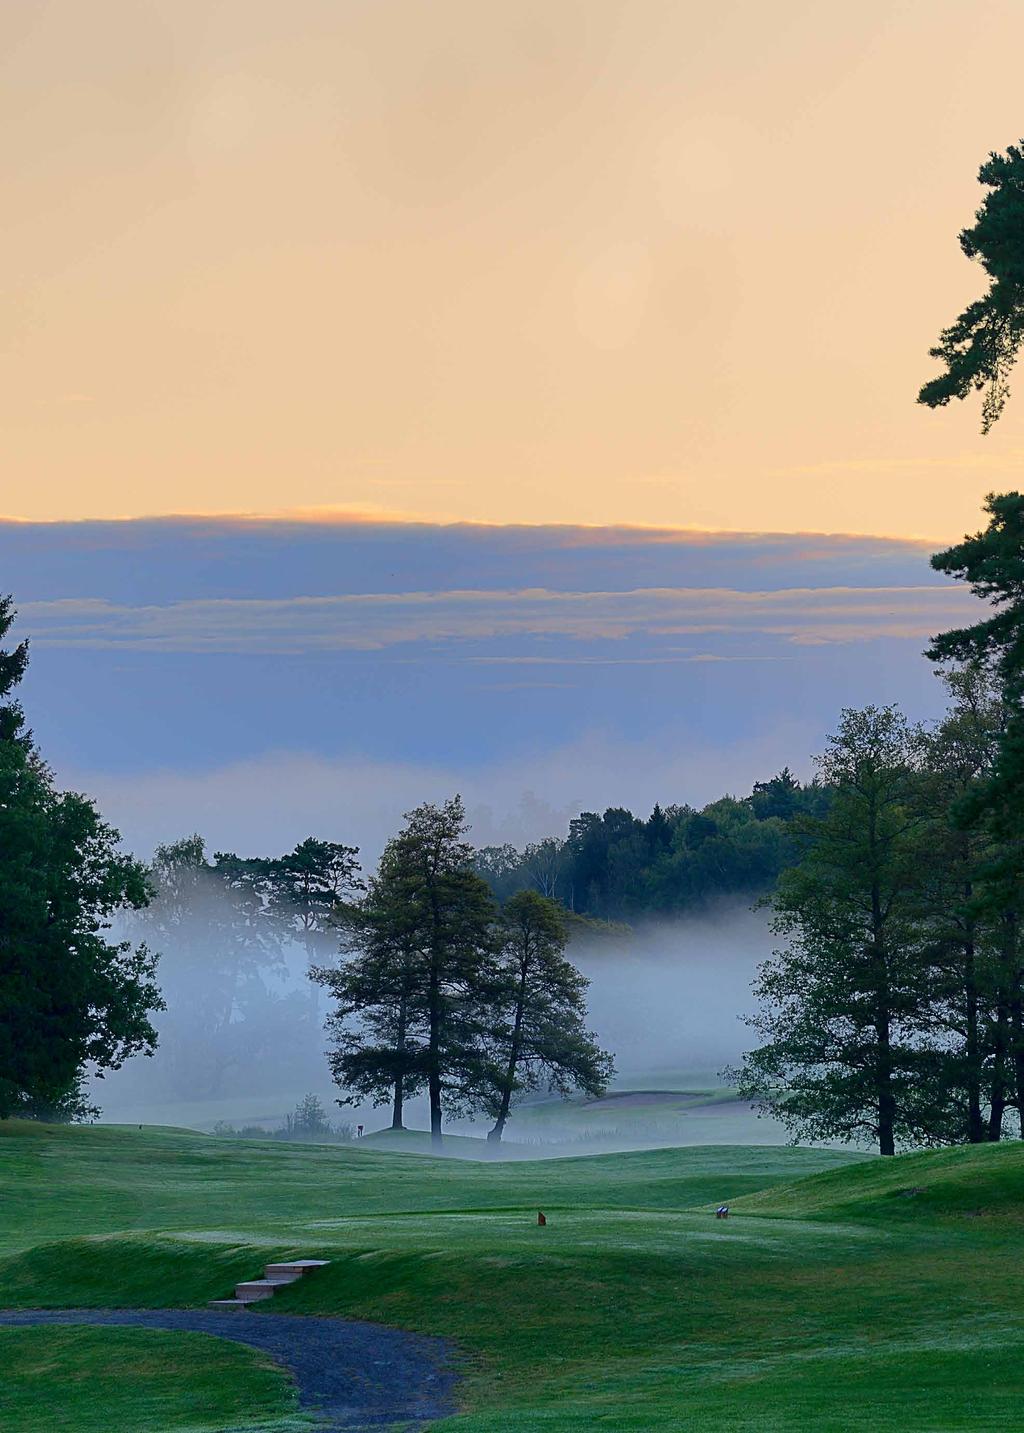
(649, 261)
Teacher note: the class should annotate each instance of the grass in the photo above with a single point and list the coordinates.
(92, 1380)
(832, 1299)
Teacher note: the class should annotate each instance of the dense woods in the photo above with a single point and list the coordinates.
(621, 867)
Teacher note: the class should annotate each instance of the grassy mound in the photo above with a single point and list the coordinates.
(972, 1180)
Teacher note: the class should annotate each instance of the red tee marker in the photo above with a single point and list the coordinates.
(540, 1218)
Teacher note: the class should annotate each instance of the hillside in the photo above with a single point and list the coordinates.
(974, 1181)
(633, 1309)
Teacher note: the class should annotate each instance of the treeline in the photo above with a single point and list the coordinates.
(894, 1010)
(228, 926)
(619, 867)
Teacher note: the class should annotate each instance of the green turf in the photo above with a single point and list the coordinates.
(93, 1380)
(834, 1301)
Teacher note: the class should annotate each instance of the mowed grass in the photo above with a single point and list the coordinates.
(94, 1380)
(831, 1299)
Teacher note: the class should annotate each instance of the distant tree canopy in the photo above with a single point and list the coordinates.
(980, 347)
(69, 997)
(621, 867)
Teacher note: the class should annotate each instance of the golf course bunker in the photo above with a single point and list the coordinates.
(353, 1375)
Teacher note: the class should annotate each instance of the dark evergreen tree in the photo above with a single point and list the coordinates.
(378, 1049)
(414, 1005)
(845, 1003)
(69, 996)
(452, 913)
(539, 999)
(969, 1015)
(980, 347)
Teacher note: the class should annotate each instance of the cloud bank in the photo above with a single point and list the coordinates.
(374, 620)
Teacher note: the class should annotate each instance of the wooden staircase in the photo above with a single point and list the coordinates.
(275, 1276)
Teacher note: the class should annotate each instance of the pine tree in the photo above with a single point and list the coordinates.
(540, 1003)
(69, 997)
(845, 1002)
(413, 1006)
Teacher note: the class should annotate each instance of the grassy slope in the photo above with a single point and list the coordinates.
(633, 1309)
(94, 1380)
(972, 1181)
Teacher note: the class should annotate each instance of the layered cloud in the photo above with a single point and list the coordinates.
(375, 621)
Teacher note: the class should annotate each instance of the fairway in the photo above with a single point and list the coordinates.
(843, 1293)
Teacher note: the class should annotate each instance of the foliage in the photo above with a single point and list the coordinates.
(844, 1002)
(309, 1121)
(69, 996)
(413, 1008)
(539, 1001)
(616, 866)
(980, 347)
(301, 891)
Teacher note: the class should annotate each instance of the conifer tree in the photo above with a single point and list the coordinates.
(69, 996)
(845, 1002)
(540, 1001)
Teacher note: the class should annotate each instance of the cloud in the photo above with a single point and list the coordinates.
(372, 621)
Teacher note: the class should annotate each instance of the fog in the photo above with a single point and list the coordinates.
(268, 804)
(669, 999)
(242, 1039)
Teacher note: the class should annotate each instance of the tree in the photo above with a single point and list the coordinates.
(980, 347)
(378, 1051)
(844, 1003)
(222, 961)
(415, 997)
(308, 885)
(69, 996)
(992, 562)
(542, 1000)
(452, 914)
(969, 1013)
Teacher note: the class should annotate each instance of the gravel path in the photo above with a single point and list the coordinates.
(354, 1375)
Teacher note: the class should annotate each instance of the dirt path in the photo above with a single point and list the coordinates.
(354, 1375)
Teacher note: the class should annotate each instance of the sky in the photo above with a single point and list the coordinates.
(546, 261)
(514, 398)
(263, 681)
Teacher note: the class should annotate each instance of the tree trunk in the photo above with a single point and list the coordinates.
(1000, 1043)
(883, 1030)
(435, 1017)
(398, 1105)
(398, 1109)
(515, 1049)
(1016, 1018)
(976, 1133)
(434, 1060)
(886, 1122)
